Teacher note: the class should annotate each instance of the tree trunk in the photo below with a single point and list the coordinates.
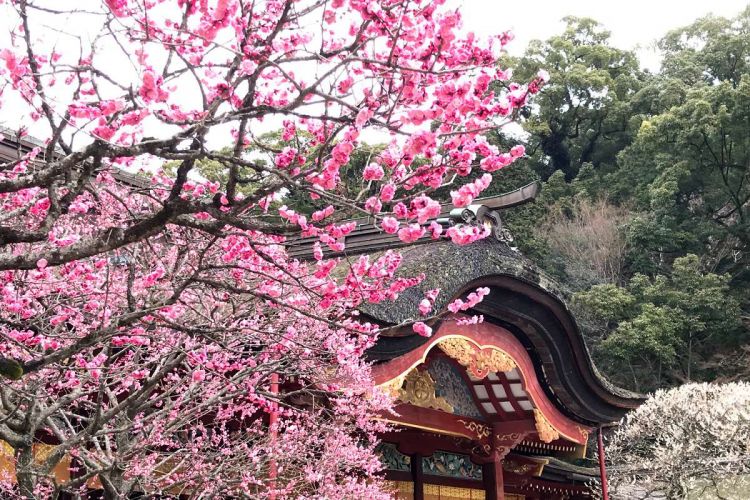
(116, 487)
(25, 474)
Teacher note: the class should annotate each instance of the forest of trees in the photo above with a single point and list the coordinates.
(645, 210)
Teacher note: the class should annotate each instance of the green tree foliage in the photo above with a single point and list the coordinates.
(688, 169)
(658, 330)
(712, 49)
(667, 155)
(586, 113)
(692, 166)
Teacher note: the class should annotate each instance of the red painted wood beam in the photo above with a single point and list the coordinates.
(440, 422)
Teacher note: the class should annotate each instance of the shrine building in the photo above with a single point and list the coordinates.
(502, 409)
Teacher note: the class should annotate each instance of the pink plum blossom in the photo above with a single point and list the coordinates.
(422, 329)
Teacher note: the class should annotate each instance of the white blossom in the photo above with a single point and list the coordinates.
(684, 441)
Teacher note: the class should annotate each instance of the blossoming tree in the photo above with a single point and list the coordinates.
(156, 337)
(691, 441)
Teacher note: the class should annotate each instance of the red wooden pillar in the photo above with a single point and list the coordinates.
(272, 421)
(602, 466)
(505, 436)
(492, 476)
(417, 476)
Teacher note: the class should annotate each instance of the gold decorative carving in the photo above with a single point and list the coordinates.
(514, 436)
(544, 428)
(584, 433)
(393, 386)
(480, 362)
(419, 389)
(519, 468)
(492, 360)
(459, 349)
(481, 430)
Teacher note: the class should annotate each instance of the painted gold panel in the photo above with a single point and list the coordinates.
(402, 490)
(439, 492)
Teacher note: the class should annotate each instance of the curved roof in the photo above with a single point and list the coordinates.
(523, 301)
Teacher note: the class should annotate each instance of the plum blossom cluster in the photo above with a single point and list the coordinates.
(154, 326)
(457, 306)
(472, 300)
(688, 440)
(189, 332)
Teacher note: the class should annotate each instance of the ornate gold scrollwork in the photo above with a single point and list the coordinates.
(480, 362)
(481, 430)
(492, 360)
(419, 390)
(459, 349)
(513, 436)
(584, 433)
(544, 428)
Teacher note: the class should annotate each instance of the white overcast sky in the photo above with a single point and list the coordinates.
(632, 22)
(635, 24)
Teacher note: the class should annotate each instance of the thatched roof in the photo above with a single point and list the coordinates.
(450, 267)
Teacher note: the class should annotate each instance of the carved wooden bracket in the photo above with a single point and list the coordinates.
(544, 428)
(504, 443)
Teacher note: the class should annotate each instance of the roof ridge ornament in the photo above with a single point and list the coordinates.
(481, 215)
